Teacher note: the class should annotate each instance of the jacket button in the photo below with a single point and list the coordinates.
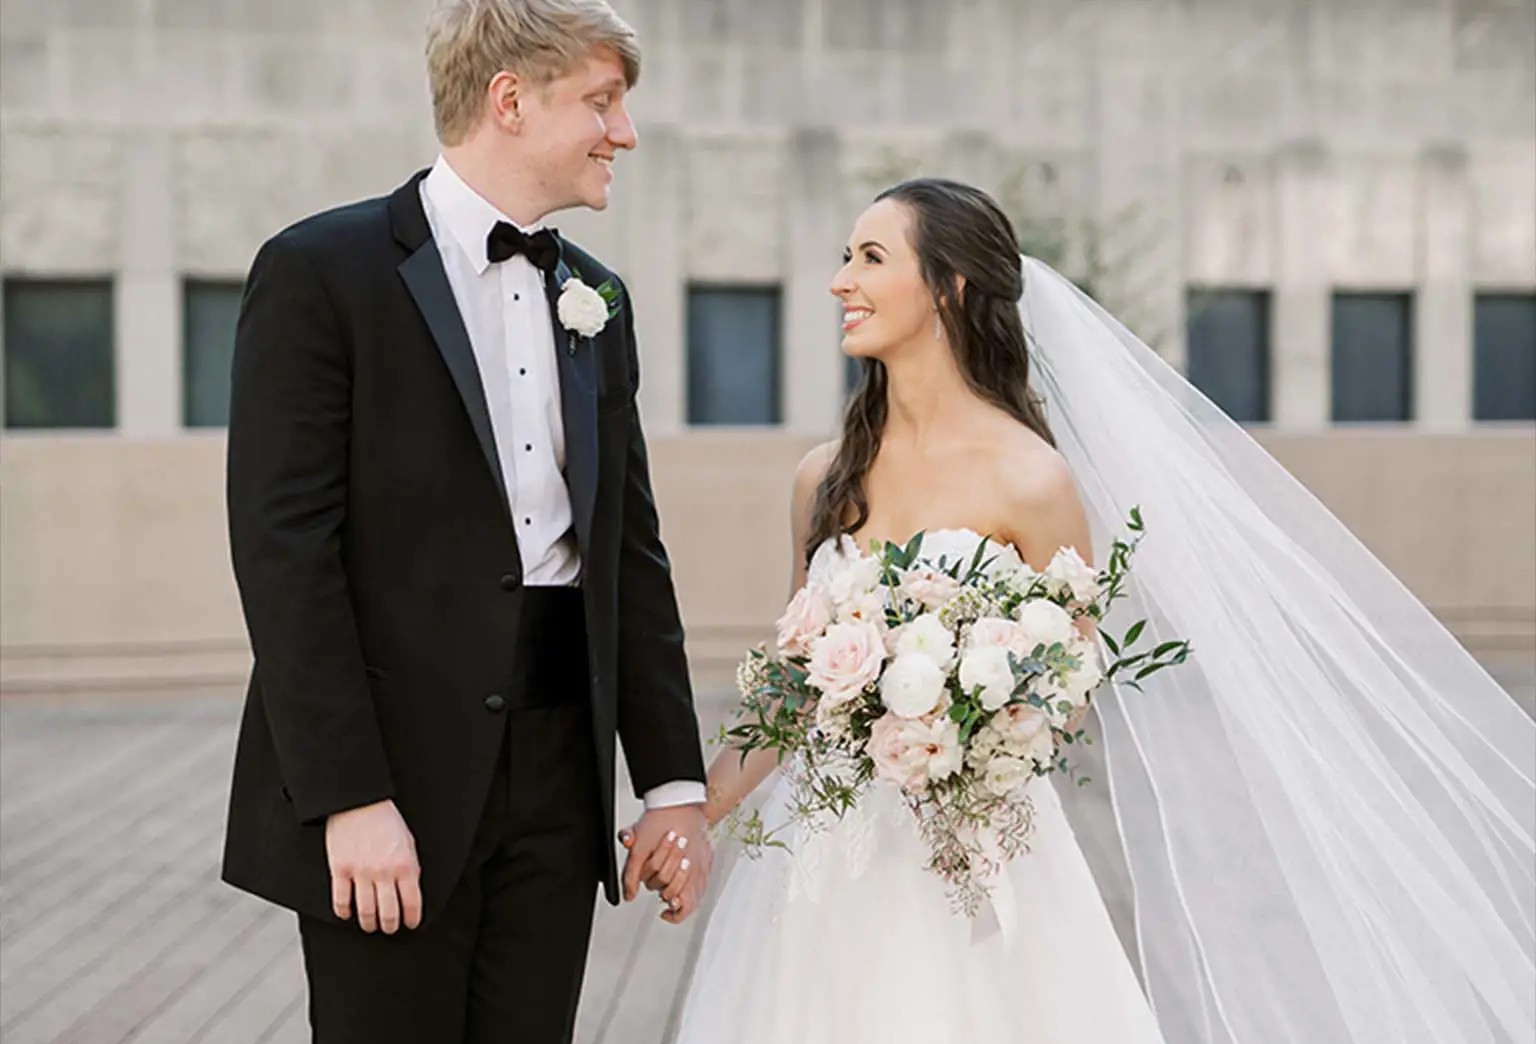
(495, 703)
(509, 582)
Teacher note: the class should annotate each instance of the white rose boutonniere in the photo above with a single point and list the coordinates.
(585, 311)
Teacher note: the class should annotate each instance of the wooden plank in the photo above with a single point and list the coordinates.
(85, 865)
(111, 885)
(121, 1013)
(69, 985)
(150, 785)
(293, 1027)
(256, 1012)
(70, 783)
(224, 983)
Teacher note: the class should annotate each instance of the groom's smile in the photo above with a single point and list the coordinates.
(579, 122)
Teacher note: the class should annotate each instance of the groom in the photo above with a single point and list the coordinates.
(449, 561)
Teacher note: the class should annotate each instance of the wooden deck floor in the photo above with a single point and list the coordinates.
(114, 926)
(113, 923)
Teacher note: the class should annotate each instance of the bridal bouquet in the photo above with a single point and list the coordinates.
(956, 681)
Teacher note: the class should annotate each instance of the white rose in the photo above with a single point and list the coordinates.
(845, 660)
(1076, 576)
(581, 308)
(828, 559)
(928, 636)
(1026, 731)
(987, 667)
(844, 572)
(1001, 561)
(1044, 623)
(867, 607)
(1077, 684)
(913, 685)
(1004, 775)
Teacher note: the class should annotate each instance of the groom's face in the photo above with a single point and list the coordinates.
(574, 127)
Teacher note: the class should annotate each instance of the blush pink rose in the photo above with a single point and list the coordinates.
(912, 753)
(992, 631)
(808, 615)
(928, 586)
(845, 660)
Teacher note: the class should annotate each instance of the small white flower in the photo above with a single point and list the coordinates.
(987, 667)
(1074, 575)
(1077, 684)
(928, 636)
(846, 574)
(582, 309)
(913, 685)
(1005, 775)
(1025, 731)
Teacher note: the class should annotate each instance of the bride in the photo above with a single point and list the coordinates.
(1327, 814)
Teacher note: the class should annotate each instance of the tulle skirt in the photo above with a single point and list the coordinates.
(848, 939)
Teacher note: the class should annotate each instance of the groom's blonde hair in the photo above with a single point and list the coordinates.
(470, 41)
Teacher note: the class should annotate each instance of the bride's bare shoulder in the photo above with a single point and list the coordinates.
(813, 467)
(1036, 488)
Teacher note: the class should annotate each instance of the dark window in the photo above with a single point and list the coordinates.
(1229, 350)
(1372, 357)
(733, 355)
(1504, 347)
(209, 311)
(58, 354)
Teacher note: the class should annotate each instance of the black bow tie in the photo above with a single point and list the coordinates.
(542, 248)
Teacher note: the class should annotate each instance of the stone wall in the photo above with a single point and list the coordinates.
(1293, 145)
(114, 568)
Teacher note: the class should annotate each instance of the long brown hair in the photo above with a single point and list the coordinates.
(957, 231)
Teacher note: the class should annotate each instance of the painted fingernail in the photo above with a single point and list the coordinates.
(671, 835)
(682, 842)
(683, 865)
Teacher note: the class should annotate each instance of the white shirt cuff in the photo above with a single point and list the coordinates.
(678, 792)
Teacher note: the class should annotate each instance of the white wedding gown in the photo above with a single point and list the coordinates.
(848, 939)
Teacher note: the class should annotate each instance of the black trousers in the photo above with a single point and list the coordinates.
(503, 962)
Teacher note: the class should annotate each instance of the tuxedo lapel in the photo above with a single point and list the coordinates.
(427, 281)
(576, 359)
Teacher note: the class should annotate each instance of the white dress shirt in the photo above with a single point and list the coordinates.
(507, 317)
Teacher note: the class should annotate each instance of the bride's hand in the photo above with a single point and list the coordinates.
(669, 851)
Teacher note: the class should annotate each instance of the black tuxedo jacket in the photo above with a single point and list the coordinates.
(377, 559)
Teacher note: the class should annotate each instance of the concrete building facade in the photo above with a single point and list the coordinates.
(1297, 149)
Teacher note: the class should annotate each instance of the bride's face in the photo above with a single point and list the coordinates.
(886, 304)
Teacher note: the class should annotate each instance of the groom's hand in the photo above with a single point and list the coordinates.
(373, 856)
(669, 852)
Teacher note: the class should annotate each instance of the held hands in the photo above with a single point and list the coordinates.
(373, 856)
(669, 852)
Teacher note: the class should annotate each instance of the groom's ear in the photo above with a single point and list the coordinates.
(505, 98)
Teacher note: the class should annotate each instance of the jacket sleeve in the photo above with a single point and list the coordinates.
(656, 718)
(289, 433)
